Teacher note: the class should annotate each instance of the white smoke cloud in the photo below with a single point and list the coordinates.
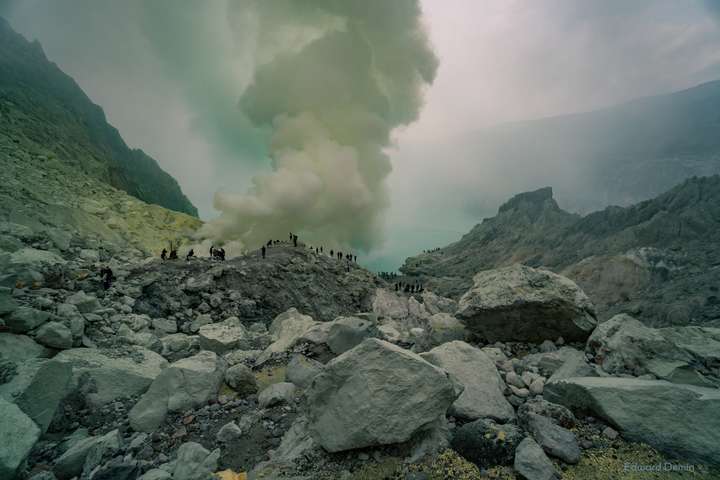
(333, 79)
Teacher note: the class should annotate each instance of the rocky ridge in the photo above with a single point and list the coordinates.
(656, 260)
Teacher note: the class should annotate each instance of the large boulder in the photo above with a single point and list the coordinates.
(286, 329)
(222, 338)
(519, 303)
(70, 464)
(113, 373)
(83, 302)
(387, 305)
(347, 332)
(187, 383)
(18, 348)
(680, 420)
(7, 303)
(301, 370)
(443, 328)
(41, 398)
(194, 462)
(54, 335)
(483, 394)
(24, 319)
(376, 394)
(18, 435)
(623, 345)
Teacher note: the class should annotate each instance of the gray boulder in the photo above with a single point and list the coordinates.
(350, 405)
(302, 370)
(24, 319)
(482, 396)
(276, 394)
(679, 420)
(222, 338)
(195, 462)
(532, 463)
(85, 303)
(42, 397)
(286, 329)
(113, 373)
(54, 335)
(7, 303)
(347, 332)
(554, 439)
(539, 406)
(443, 328)
(187, 383)
(18, 435)
(486, 443)
(70, 464)
(575, 365)
(623, 345)
(387, 305)
(228, 433)
(18, 348)
(241, 379)
(519, 303)
(435, 304)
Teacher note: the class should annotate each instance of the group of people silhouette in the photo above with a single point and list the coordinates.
(409, 287)
(434, 250)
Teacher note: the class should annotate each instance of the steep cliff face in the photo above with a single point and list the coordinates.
(658, 259)
(43, 109)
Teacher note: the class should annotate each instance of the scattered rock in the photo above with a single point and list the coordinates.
(241, 379)
(532, 463)
(486, 443)
(228, 433)
(302, 370)
(277, 393)
(195, 462)
(42, 397)
(554, 439)
(287, 328)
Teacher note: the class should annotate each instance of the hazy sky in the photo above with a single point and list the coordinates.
(170, 74)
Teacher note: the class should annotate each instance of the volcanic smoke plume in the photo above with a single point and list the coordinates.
(333, 78)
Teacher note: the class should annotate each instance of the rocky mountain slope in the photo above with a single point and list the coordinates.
(615, 156)
(302, 366)
(43, 110)
(658, 259)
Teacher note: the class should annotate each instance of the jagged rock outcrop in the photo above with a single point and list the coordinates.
(519, 303)
(654, 259)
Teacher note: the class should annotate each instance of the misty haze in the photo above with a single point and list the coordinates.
(345, 239)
